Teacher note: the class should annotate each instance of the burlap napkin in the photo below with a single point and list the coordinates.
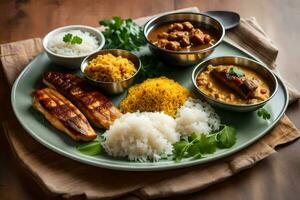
(61, 176)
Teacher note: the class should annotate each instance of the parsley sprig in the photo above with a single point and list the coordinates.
(91, 148)
(122, 34)
(263, 113)
(199, 144)
(236, 72)
(72, 39)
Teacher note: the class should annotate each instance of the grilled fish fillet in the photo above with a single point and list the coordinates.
(99, 110)
(242, 85)
(62, 114)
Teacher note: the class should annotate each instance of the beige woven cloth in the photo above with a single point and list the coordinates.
(61, 176)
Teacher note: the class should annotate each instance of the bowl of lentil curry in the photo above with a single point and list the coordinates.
(234, 83)
(112, 70)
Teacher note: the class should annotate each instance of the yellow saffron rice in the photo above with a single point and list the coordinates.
(109, 68)
(155, 95)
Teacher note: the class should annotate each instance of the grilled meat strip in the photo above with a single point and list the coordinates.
(99, 110)
(243, 86)
(62, 114)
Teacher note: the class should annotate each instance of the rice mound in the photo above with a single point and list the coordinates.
(88, 45)
(155, 95)
(196, 116)
(141, 136)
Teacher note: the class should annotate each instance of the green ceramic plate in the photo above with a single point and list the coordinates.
(249, 126)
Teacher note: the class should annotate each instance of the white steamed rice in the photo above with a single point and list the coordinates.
(141, 136)
(149, 135)
(88, 45)
(196, 116)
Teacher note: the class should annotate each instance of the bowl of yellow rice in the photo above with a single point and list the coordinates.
(112, 70)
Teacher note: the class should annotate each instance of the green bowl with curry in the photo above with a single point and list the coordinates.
(234, 83)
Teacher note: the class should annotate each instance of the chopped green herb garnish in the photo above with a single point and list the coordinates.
(69, 38)
(226, 137)
(263, 113)
(180, 148)
(91, 148)
(151, 68)
(206, 144)
(76, 40)
(199, 144)
(122, 34)
(236, 72)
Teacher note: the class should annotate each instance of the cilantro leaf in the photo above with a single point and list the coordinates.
(199, 144)
(236, 72)
(263, 113)
(76, 40)
(105, 22)
(193, 137)
(207, 144)
(122, 34)
(69, 38)
(118, 21)
(198, 156)
(193, 150)
(226, 137)
(179, 149)
(92, 148)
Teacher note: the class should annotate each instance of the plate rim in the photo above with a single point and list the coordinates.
(114, 166)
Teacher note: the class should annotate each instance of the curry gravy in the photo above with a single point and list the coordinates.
(212, 87)
(153, 35)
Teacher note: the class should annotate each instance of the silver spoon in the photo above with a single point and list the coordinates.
(227, 18)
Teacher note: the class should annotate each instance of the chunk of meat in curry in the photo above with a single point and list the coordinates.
(250, 89)
(182, 35)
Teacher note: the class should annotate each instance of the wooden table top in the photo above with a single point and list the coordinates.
(276, 177)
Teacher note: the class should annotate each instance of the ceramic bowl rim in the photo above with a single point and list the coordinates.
(52, 33)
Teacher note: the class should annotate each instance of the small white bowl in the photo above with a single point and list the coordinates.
(71, 62)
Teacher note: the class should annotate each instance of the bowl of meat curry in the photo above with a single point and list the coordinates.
(183, 39)
(234, 83)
